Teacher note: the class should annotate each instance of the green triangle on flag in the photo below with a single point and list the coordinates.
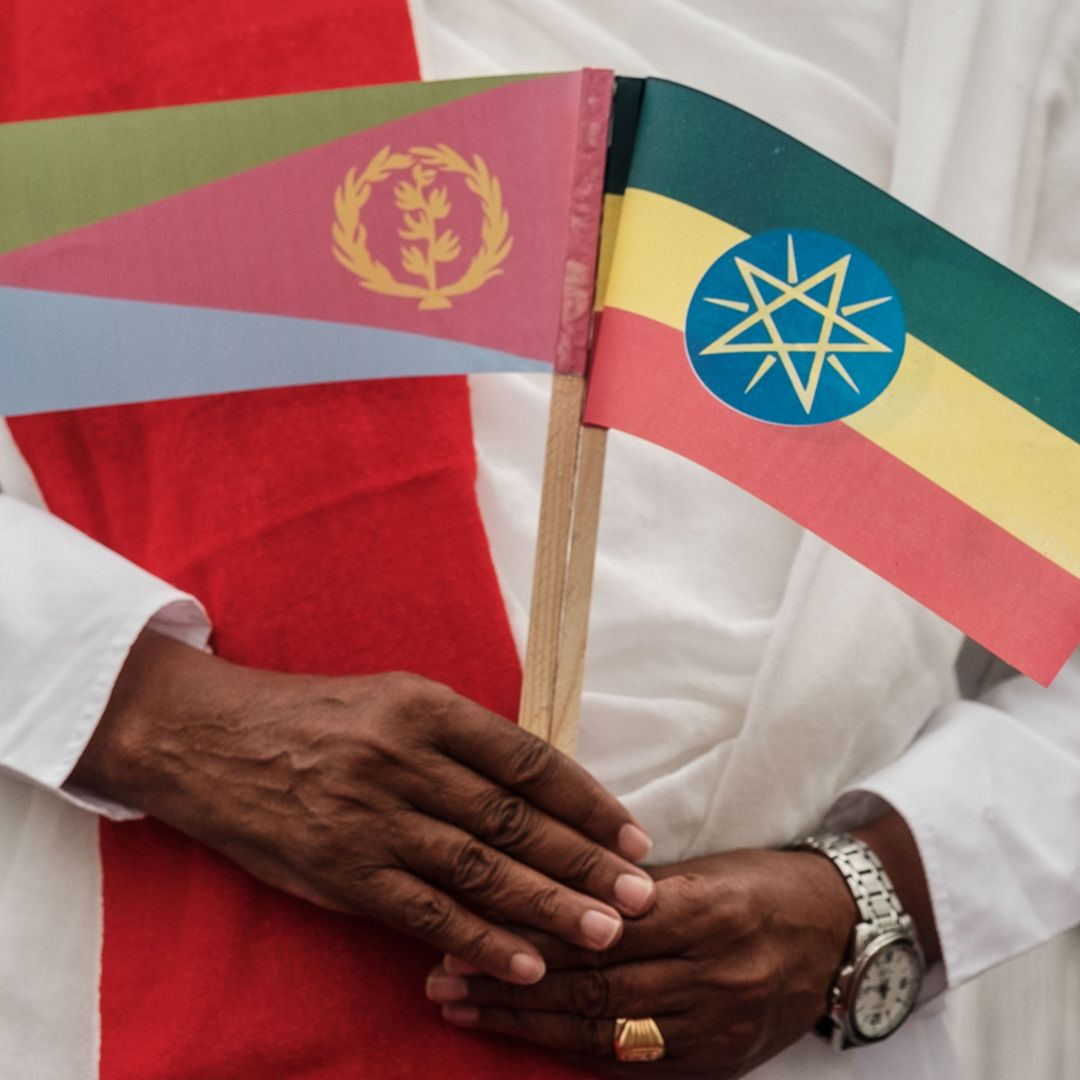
(78, 170)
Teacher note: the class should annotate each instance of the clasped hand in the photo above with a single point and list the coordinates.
(387, 796)
(734, 963)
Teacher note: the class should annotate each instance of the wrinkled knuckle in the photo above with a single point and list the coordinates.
(591, 995)
(475, 868)
(691, 891)
(682, 898)
(411, 716)
(582, 867)
(414, 695)
(477, 945)
(325, 858)
(543, 905)
(532, 763)
(434, 709)
(352, 870)
(403, 685)
(326, 852)
(756, 983)
(508, 820)
(595, 1037)
(437, 698)
(589, 806)
(427, 916)
(354, 882)
(743, 912)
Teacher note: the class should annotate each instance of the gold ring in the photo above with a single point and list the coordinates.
(638, 1040)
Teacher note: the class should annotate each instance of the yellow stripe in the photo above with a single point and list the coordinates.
(974, 442)
(663, 248)
(609, 228)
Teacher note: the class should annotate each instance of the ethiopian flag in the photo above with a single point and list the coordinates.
(301, 238)
(775, 318)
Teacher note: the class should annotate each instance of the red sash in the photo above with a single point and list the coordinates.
(329, 529)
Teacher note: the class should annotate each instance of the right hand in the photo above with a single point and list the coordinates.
(388, 796)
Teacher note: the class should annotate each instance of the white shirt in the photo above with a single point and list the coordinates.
(720, 701)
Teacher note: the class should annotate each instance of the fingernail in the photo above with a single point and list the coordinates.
(599, 929)
(461, 1014)
(446, 988)
(454, 965)
(634, 843)
(526, 968)
(634, 891)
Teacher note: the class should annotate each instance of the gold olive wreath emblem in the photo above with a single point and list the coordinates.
(423, 206)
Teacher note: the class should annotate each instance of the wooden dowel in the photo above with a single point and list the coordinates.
(552, 549)
(570, 653)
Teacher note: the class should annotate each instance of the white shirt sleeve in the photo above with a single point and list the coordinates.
(991, 793)
(70, 611)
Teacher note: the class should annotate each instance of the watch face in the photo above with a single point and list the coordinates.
(887, 988)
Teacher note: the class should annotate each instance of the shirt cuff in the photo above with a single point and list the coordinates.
(991, 794)
(70, 611)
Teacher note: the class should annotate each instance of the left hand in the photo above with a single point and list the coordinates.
(734, 963)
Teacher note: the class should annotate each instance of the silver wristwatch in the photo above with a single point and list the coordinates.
(876, 989)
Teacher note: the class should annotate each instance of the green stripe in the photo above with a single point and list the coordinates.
(61, 174)
(624, 119)
(1001, 328)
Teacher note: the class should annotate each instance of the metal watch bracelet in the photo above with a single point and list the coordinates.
(883, 930)
(867, 879)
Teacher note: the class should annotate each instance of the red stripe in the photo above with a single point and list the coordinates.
(901, 525)
(328, 529)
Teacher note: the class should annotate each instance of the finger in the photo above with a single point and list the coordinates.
(556, 1031)
(633, 946)
(442, 853)
(572, 1035)
(509, 822)
(602, 993)
(672, 927)
(419, 910)
(558, 955)
(454, 965)
(523, 763)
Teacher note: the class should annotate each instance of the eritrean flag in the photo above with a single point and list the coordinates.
(775, 318)
(301, 238)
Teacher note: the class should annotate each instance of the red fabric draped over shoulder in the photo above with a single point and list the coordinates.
(331, 529)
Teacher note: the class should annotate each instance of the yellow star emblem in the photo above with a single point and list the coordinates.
(795, 291)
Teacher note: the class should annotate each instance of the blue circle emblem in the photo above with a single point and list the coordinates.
(795, 327)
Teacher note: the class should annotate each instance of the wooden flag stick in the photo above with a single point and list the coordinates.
(563, 570)
(552, 550)
(570, 653)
